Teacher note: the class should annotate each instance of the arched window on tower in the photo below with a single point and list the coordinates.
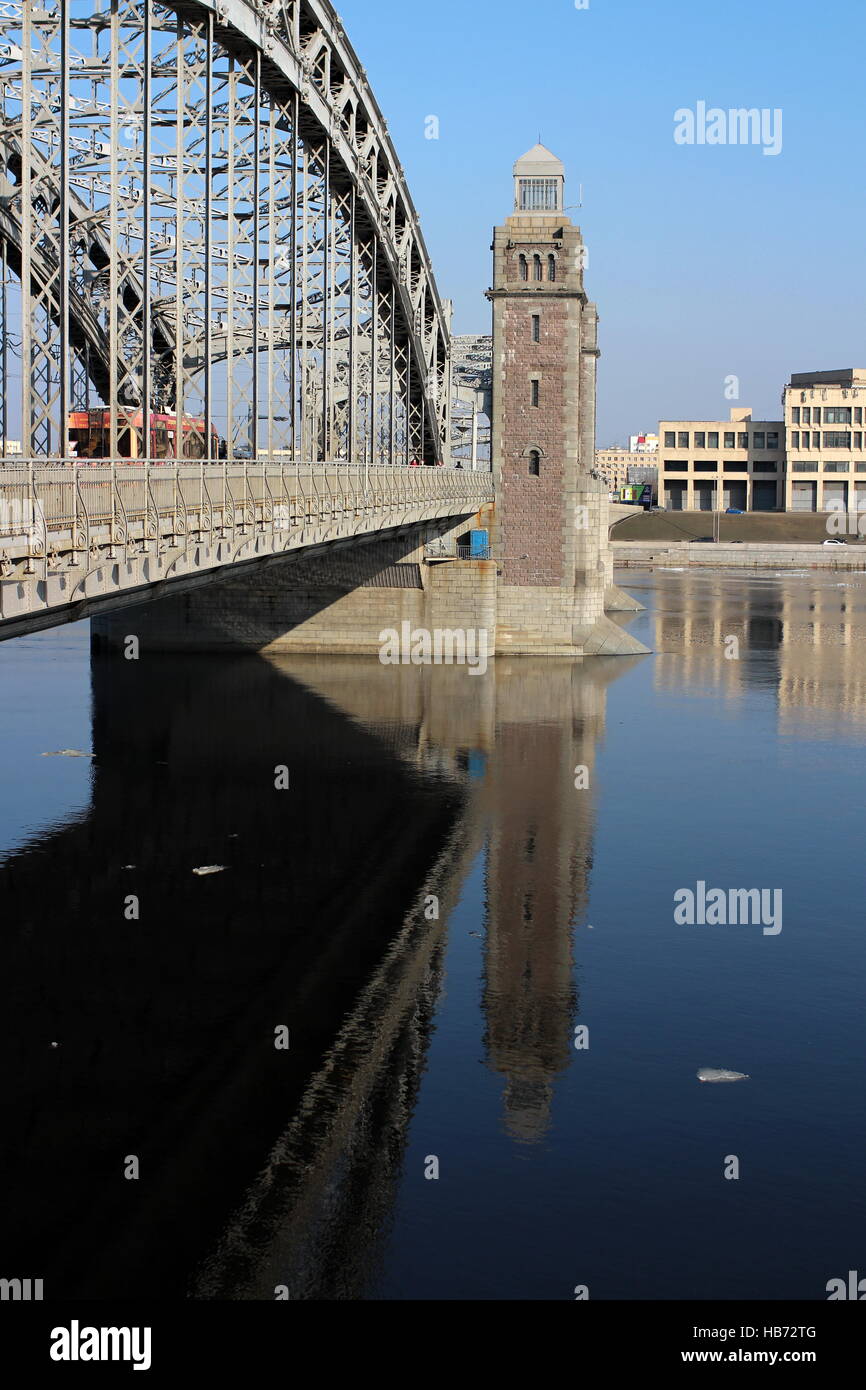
(551, 267)
(524, 268)
(536, 267)
(534, 463)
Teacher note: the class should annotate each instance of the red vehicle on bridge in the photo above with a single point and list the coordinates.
(169, 437)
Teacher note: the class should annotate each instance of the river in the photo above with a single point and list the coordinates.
(433, 1029)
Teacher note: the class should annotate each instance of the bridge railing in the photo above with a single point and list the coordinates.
(59, 508)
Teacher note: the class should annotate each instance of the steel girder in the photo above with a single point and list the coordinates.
(204, 213)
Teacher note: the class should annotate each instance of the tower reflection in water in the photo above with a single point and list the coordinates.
(264, 1169)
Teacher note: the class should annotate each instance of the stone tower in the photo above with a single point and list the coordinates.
(551, 526)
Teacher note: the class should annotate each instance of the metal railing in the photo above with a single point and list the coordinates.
(451, 550)
(68, 509)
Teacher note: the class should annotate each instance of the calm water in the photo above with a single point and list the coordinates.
(414, 1037)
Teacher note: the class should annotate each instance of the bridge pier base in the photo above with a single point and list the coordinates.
(342, 598)
(616, 600)
(335, 599)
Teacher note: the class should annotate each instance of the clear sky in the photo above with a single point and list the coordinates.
(705, 261)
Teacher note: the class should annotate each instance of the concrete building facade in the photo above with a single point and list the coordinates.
(708, 464)
(643, 443)
(824, 424)
(615, 465)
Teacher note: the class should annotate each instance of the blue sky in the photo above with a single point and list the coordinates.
(705, 261)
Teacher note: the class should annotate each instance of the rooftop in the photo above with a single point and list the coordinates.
(843, 376)
(539, 160)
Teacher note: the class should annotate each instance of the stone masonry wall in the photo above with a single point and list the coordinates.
(339, 601)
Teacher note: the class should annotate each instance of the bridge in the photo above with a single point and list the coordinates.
(203, 220)
(222, 347)
(84, 541)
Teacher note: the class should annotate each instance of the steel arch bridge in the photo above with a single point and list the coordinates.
(202, 214)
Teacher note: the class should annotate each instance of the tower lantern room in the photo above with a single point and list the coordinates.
(539, 183)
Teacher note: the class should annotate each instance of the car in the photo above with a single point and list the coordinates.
(835, 540)
(702, 540)
(734, 511)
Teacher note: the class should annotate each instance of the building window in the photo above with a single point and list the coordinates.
(837, 415)
(713, 439)
(534, 463)
(729, 439)
(816, 441)
(539, 195)
(674, 466)
(705, 466)
(858, 441)
(804, 467)
(742, 441)
(700, 439)
(682, 439)
(670, 439)
(766, 466)
(536, 392)
(536, 328)
(795, 415)
(736, 468)
(837, 467)
(858, 415)
(524, 268)
(836, 439)
(551, 268)
(759, 440)
(807, 415)
(772, 439)
(795, 439)
(816, 415)
(536, 267)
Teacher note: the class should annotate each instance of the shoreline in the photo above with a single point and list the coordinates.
(737, 555)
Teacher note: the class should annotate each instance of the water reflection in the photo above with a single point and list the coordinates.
(261, 1167)
(804, 636)
(548, 722)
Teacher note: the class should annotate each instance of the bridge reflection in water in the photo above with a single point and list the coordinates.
(262, 1167)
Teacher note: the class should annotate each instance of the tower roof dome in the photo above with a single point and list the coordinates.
(539, 160)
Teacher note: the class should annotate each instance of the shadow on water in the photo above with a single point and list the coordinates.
(262, 1167)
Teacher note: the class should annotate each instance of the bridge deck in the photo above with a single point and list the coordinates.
(77, 540)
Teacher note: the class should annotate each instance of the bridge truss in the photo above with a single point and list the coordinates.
(202, 214)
